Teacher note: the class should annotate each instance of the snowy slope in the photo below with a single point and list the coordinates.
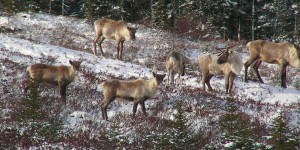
(36, 42)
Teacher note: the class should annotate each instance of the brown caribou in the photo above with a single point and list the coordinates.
(175, 64)
(61, 76)
(137, 91)
(284, 54)
(112, 29)
(229, 63)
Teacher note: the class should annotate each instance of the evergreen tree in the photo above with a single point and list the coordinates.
(37, 123)
(162, 14)
(117, 10)
(33, 111)
(10, 7)
(89, 10)
(281, 135)
(136, 10)
(297, 130)
(296, 14)
(236, 128)
(94, 9)
(180, 136)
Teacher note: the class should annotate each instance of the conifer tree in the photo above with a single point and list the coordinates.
(181, 134)
(236, 129)
(32, 111)
(89, 10)
(38, 124)
(10, 7)
(281, 135)
(162, 14)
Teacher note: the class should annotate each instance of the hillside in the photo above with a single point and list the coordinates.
(26, 39)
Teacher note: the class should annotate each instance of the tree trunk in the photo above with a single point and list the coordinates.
(253, 21)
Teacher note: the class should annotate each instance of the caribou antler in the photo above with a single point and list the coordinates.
(226, 49)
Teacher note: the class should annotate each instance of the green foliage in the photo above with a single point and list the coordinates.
(35, 121)
(180, 136)
(281, 135)
(161, 15)
(274, 20)
(115, 136)
(9, 6)
(9, 137)
(88, 10)
(251, 73)
(33, 104)
(236, 128)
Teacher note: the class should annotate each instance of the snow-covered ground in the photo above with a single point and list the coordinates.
(41, 38)
(39, 50)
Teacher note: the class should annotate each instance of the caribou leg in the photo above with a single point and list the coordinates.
(255, 67)
(118, 49)
(231, 78)
(94, 43)
(104, 106)
(134, 109)
(142, 104)
(207, 81)
(168, 77)
(283, 76)
(227, 83)
(100, 42)
(121, 49)
(247, 64)
(172, 78)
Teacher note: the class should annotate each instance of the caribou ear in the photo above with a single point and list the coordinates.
(130, 28)
(154, 74)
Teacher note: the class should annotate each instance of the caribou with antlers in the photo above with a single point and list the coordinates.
(228, 63)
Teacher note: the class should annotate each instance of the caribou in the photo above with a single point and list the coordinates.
(60, 76)
(228, 63)
(137, 91)
(175, 64)
(112, 29)
(284, 54)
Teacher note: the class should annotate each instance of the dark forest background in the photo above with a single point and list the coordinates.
(276, 20)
